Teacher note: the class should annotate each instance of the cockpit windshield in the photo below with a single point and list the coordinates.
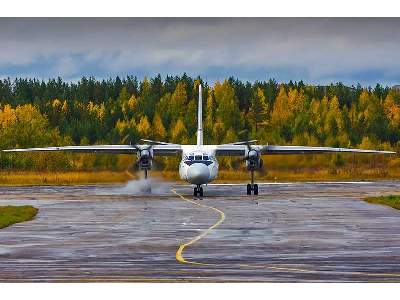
(198, 158)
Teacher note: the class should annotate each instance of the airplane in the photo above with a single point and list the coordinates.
(199, 165)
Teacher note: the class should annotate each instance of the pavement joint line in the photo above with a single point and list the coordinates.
(181, 259)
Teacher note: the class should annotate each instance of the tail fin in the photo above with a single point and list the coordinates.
(200, 119)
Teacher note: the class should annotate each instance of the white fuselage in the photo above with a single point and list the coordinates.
(199, 164)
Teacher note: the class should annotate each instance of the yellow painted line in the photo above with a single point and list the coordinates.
(130, 174)
(181, 259)
(179, 253)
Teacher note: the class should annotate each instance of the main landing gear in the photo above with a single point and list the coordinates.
(198, 191)
(252, 187)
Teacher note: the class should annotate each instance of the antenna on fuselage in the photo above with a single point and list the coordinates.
(200, 118)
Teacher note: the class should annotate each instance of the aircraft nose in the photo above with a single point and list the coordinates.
(198, 174)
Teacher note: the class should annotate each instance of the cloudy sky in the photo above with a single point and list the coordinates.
(315, 50)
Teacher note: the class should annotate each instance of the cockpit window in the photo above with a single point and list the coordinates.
(193, 158)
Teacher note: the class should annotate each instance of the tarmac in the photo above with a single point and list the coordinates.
(291, 232)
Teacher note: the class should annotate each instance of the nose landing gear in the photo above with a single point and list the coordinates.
(198, 191)
(252, 187)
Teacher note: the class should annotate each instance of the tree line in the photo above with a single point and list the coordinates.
(54, 112)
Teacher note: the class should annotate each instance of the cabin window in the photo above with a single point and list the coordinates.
(198, 157)
(191, 157)
(205, 157)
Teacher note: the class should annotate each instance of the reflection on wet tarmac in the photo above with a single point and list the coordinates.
(115, 233)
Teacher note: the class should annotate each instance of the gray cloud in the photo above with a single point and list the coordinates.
(317, 50)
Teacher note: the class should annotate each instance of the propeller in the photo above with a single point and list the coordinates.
(145, 156)
(253, 158)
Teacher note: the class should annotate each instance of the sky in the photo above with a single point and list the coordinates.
(315, 50)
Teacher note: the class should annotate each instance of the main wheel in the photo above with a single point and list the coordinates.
(201, 192)
(255, 189)
(249, 189)
(195, 192)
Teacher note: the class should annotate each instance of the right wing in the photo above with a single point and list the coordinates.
(271, 149)
(163, 149)
(238, 149)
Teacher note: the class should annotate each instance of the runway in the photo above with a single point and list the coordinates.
(291, 232)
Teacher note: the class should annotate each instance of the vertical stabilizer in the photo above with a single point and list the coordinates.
(200, 119)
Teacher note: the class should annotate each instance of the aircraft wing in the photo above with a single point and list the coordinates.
(270, 149)
(168, 149)
(240, 150)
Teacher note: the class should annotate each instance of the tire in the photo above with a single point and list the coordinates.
(201, 192)
(256, 189)
(249, 189)
(195, 192)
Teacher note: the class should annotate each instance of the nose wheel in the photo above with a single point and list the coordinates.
(252, 187)
(198, 191)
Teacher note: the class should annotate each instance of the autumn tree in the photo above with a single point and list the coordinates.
(144, 128)
(178, 101)
(258, 112)
(158, 131)
(227, 106)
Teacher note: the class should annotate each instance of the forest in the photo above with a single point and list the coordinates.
(122, 110)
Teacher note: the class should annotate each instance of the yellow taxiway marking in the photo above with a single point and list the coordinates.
(181, 259)
(129, 174)
(179, 256)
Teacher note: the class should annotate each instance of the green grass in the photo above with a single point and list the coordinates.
(391, 200)
(15, 214)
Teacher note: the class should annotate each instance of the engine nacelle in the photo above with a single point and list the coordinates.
(145, 159)
(254, 164)
(253, 160)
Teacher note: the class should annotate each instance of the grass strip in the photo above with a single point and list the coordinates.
(16, 214)
(391, 200)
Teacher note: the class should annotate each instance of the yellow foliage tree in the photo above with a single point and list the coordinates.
(179, 132)
(178, 101)
(144, 127)
(281, 113)
(129, 107)
(258, 109)
(227, 105)
(159, 131)
(392, 110)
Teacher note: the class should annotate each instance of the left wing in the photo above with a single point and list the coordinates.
(159, 149)
(240, 150)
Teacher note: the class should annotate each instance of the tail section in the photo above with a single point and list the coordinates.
(200, 119)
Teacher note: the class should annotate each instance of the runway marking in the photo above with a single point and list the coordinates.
(179, 253)
(181, 259)
(130, 174)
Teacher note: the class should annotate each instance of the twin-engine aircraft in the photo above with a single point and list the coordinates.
(199, 163)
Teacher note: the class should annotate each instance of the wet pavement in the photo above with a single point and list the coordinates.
(290, 232)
